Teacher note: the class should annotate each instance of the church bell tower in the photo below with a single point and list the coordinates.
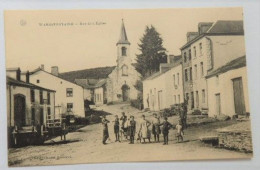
(123, 48)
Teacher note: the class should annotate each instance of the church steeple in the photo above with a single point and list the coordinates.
(123, 37)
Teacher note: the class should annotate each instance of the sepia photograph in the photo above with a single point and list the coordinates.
(126, 85)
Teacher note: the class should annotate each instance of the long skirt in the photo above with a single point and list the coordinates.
(105, 135)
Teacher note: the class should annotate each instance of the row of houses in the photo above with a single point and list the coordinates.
(210, 73)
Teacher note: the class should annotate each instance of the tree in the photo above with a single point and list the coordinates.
(152, 52)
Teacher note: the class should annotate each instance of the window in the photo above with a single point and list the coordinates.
(69, 107)
(48, 98)
(190, 73)
(189, 54)
(185, 57)
(33, 116)
(179, 99)
(124, 70)
(203, 95)
(174, 99)
(200, 48)
(195, 71)
(32, 95)
(201, 69)
(49, 112)
(197, 99)
(69, 92)
(41, 97)
(187, 96)
(123, 51)
(38, 81)
(186, 75)
(174, 80)
(192, 100)
(194, 49)
(178, 78)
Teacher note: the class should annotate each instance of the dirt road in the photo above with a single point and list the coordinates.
(85, 146)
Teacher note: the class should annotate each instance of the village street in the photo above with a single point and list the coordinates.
(85, 145)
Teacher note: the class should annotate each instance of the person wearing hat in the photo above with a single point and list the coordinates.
(165, 130)
(132, 129)
(156, 128)
(104, 122)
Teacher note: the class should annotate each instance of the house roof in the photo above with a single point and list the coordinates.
(39, 69)
(221, 27)
(92, 73)
(15, 82)
(123, 37)
(90, 83)
(169, 66)
(234, 64)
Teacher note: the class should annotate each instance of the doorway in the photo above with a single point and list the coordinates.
(218, 104)
(19, 110)
(125, 92)
(160, 98)
(239, 99)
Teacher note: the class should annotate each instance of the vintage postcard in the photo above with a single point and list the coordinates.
(97, 86)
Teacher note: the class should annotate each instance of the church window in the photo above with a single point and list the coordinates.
(123, 51)
(124, 70)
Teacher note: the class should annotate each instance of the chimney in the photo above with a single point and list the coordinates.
(27, 77)
(42, 66)
(170, 59)
(191, 35)
(55, 70)
(203, 27)
(18, 74)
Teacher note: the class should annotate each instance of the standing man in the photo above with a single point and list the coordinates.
(156, 128)
(132, 129)
(105, 129)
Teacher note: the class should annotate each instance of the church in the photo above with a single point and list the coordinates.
(109, 84)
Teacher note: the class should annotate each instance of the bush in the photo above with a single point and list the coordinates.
(196, 112)
(137, 104)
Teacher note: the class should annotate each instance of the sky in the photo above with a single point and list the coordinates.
(91, 41)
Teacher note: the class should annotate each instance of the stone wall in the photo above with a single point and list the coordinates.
(237, 139)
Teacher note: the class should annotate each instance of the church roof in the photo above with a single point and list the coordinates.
(90, 83)
(123, 37)
(92, 73)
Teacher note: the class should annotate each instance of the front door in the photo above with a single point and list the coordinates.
(19, 110)
(218, 104)
(239, 99)
(125, 93)
(160, 102)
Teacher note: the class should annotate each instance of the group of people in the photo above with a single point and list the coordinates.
(126, 127)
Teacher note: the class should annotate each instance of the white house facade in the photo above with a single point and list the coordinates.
(69, 97)
(164, 88)
(228, 89)
(212, 46)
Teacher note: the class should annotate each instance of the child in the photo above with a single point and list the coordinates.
(156, 128)
(105, 129)
(116, 128)
(132, 129)
(180, 132)
(165, 130)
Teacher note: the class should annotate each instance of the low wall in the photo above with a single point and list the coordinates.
(236, 139)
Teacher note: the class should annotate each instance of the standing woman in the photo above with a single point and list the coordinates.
(144, 131)
(105, 129)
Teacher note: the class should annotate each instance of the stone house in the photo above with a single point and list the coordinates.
(27, 104)
(212, 46)
(164, 88)
(228, 90)
(118, 82)
(69, 98)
